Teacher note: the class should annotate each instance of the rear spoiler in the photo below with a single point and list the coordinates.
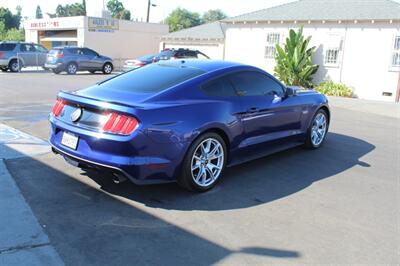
(79, 100)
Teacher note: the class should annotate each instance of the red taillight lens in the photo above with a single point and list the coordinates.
(140, 64)
(1, 54)
(58, 107)
(120, 124)
(60, 55)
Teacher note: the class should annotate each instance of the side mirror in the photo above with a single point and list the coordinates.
(290, 92)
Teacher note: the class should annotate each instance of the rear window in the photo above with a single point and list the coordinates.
(166, 53)
(152, 78)
(55, 51)
(7, 46)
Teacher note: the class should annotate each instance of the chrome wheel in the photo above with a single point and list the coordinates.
(318, 129)
(72, 69)
(107, 68)
(207, 162)
(14, 66)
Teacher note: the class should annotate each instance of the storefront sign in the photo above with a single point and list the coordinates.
(102, 24)
(44, 24)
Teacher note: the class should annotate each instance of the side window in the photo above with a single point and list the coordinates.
(191, 54)
(219, 87)
(27, 48)
(40, 48)
(89, 52)
(252, 83)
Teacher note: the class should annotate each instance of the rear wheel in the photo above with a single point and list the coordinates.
(317, 131)
(14, 65)
(204, 163)
(72, 68)
(107, 68)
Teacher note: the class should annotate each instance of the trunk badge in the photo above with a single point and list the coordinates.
(76, 115)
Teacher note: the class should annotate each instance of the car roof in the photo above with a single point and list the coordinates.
(206, 65)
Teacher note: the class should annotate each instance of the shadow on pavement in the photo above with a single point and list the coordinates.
(253, 183)
(90, 227)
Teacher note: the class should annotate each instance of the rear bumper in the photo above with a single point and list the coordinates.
(4, 62)
(53, 66)
(136, 157)
(87, 164)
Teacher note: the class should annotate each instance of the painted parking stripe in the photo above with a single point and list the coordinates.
(17, 144)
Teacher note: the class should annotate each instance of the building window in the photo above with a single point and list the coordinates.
(396, 52)
(332, 56)
(272, 40)
(332, 50)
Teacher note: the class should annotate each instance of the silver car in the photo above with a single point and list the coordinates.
(15, 55)
(73, 59)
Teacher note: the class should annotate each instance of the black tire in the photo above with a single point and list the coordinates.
(4, 69)
(14, 65)
(309, 144)
(186, 178)
(72, 68)
(107, 68)
(56, 71)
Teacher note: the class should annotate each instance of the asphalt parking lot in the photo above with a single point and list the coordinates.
(339, 205)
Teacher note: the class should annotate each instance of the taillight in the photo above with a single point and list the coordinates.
(1, 54)
(60, 55)
(140, 64)
(120, 124)
(58, 107)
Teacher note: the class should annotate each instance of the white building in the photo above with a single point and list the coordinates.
(119, 39)
(358, 42)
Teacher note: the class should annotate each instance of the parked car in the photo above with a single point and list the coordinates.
(73, 59)
(140, 62)
(184, 121)
(16, 55)
(180, 53)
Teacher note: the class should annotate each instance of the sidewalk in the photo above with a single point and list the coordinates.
(22, 239)
(390, 109)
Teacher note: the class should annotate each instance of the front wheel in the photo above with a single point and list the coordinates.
(107, 68)
(317, 131)
(204, 163)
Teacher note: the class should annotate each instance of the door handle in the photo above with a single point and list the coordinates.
(253, 110)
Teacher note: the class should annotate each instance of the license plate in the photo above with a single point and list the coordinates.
(69, 140)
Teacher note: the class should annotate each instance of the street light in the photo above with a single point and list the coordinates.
(148, 9)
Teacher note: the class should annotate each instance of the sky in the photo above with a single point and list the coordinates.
(138, 8)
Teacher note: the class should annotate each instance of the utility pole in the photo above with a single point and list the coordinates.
(148, 11)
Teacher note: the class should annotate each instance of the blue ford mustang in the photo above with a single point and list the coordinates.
(184, 121)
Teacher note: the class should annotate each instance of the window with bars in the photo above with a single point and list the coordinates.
(396, 52)
(332, 56)
(272, 40)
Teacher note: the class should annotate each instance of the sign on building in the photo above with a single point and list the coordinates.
(102, 24)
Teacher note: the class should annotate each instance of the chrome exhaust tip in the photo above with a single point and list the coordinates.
(118, 178)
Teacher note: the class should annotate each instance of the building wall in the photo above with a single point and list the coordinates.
(365, 51)
(214, 50)
(131, 40)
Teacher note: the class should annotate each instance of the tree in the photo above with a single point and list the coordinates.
(118, 10)
(213, 15)
(181, 18)
(39, 13)
(72, 10)
(294, 61)
(84, 7)
(10, 21)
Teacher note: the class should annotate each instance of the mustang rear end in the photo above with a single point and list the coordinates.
(93, 134)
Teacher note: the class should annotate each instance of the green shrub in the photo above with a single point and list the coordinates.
(294, 64)
(334, 89)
